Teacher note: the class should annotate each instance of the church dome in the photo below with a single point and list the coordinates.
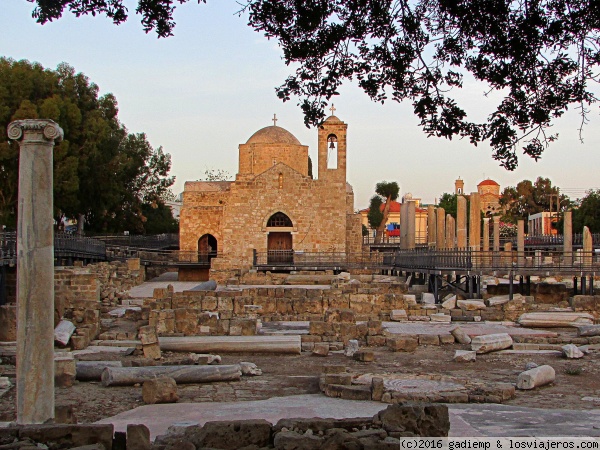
(333, 119)
(273, 135)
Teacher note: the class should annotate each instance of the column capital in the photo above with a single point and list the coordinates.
(35, 130)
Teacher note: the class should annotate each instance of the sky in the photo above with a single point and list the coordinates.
(207, 89)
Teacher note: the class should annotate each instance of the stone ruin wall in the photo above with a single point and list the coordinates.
(81, 294)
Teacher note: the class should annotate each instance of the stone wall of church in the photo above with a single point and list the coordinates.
(317, 209)
(202, 213)
(353, 233)
(256, 158)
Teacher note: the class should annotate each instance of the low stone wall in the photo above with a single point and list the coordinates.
(74, 436)
(381, 431)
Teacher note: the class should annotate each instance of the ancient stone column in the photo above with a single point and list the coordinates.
(588, 248)
(486, 242)
(475, 222)
(568, 238)
(461, 222)
(404, 225)
(486, 234)
(496, 233)
(431, 227)
(410, 224)
(35, 270)
(521, 243)
(450, 232)
(441, 228)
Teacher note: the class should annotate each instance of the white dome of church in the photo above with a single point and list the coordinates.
(273, 135)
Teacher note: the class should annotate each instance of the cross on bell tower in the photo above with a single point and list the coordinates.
(332, 109)
(274, 119)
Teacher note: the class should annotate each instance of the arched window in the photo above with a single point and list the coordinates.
(332, 151)
(279, 219)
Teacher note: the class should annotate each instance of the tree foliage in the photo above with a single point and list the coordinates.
(449, 203)
(587, 213)
(542, 57)
(531, 198)
(103, 175)
(379, 206)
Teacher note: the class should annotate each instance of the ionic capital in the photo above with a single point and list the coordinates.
(35, 130)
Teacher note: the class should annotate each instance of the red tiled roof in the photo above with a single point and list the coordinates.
(488, 182)
(394, 207)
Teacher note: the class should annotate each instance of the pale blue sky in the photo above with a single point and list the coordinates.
(207, 89)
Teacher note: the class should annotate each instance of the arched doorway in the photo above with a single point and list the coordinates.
(279, 240)
(207, 248)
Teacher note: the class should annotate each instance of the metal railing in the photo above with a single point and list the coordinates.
(155, 241)
(300, 259)
(66, 246)
(163, 257)
(489, 261)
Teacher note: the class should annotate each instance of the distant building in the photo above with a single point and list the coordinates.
(489, 194)
(540, 224)
(393, 223)
(274, 206)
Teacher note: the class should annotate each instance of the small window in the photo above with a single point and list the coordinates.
(279, 219)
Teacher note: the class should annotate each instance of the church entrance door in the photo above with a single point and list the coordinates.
(279, 248)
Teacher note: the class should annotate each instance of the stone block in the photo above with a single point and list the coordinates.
(318, 328)
(138, 437)
(358, 392)
(148, 335)
(231, 435)
(588, 330)
(417, 419)
(160, 390)
(470, 305)
(376, 341)
(398, 315)
(375, 327)
(460, 335)
(248, 327)
(333, 368)
(152, 351)
(464, 356)
(446, 339)
(555, 319)
(377, 388)
(364, 356)
(321, 349)
(449, 302)
(403, 343)
(491, 342)
(427, 298)
(443, 318)
(65, 371)
(429, 339)
(344, 379)
(288, 440)
(63, 332)
(571, 351)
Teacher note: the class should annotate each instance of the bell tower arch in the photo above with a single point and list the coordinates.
(332, 149)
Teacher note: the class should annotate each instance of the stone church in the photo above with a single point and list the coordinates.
(274, 207)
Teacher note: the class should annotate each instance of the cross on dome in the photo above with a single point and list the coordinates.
(274, 119)
(332, 109)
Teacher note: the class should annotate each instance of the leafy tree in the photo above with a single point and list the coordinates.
(449, 203)
(378, 210)
(531, 198)
(587, 213)
(542, 56)
(101, 172)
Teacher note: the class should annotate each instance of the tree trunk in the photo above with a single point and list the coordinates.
(381, 227)
(127, 376)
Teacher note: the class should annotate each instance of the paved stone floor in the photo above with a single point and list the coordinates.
(465, 420)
